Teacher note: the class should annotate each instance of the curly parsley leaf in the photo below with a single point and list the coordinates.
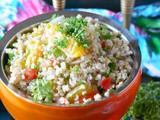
(56, 52)
(75, 69)
(53, 17)
(112, 66)
(86, 44)
(62, 43)
(102, 32)
(105, 36)
(75, 27)
(106, 74)
(41, 90)
(11, 56)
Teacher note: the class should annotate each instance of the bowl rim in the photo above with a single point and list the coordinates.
(6, 40)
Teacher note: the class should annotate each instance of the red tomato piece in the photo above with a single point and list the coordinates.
(90, 95)
(103, 44)
(30, 74)
(106, 83)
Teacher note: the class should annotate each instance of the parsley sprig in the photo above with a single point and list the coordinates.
(56, 52)
(41, 90)
(112, 66)
(11, 56)
(102, 31)
(62, 43)
(75, 69)
(75, 27)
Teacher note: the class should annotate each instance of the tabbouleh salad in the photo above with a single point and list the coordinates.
(66, 61)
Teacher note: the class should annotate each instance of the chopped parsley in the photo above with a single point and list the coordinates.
(62, 43)
(36, 67)
(28, 51)
(105, 49)
(102, 32)
(86, 44)
(10, 55)
(67, 79)
(75, 27)
(75, 69)
(118, 56)
(41, 90)
(56, 52)
(112, 66)
(81, 83)
(106, 74)
(92, 74)
(105, 36)
(45, 42)
(53, 17)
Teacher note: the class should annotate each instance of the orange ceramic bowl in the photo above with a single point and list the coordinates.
(112, 108)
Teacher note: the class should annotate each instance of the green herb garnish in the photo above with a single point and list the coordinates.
(105, 36)
(56, 52)
(45, 42)
(53, 17)
(81, 83)
(62, 43)
(102, 32)
(146, 105)
(75, 69)
(11, 56)
(112, 66)
(92, 74)
(36, 67)
(106, 74)
(42, 90)
(105, 49)
(67, 79)
(75, 27)
(85, 44)
(28, 51)
(118, 56)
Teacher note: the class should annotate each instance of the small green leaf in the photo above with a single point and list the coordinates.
(62, 43)
(53, 17)
(105, 49)
(45, 42)
(75, 69)
(81, 82)
(42, 90)
(107, 36)
(67, 79)
(106, 74)
(75, 28)
(112, 66)
(86, 44)
(56, 52)
(11, 56)
(118, 56)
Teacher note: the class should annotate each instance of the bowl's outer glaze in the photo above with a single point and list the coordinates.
(111, 109)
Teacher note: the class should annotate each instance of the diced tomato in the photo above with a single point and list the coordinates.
(103, 44)
(30, 74)
(87, 96)
(106, 83)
